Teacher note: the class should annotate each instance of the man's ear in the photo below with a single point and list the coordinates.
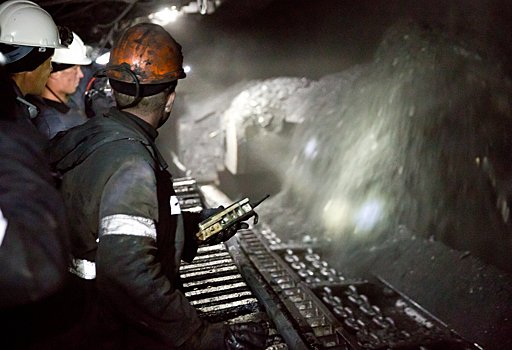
(170, 102)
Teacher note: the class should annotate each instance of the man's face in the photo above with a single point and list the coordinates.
(65, 81)
(38, 77)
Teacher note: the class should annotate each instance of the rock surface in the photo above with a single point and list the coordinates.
(403, 165)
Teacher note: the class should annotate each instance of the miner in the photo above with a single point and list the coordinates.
(56, 114)
(33, 227)
(129, 233)
(28, 41)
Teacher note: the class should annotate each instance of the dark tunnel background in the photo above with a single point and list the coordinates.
(445, 193)
(442, 165)
(262, 39)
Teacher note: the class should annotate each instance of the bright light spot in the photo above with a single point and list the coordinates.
(103, 59)
(3, 227)
(165, 16)
(310, 151)
(340, 216)
(336, 215)
(186, 69)
(368, 215)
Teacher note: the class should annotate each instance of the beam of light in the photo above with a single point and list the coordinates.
(103, 59)
(165, 16)
(186, 69)
(368, 216)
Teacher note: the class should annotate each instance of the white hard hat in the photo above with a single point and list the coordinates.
(75, 54)
(26, 23)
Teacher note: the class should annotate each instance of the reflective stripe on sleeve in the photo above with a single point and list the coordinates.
(121, 224)
(83, 268)
(3, 227)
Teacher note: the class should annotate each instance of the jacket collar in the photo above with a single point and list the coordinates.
(142, 127)
(59, 106)
(134, 122)
(16, 89)
(72, 147)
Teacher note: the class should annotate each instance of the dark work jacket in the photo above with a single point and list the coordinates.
(34, 247)
(55, 116)
(111, 166)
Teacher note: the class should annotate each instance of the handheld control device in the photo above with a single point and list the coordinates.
(235, 213)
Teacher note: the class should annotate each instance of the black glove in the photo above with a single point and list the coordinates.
(247, 336)
(210, 336)
(206, 213)
(225, 234)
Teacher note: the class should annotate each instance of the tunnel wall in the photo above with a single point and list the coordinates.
(420, 140)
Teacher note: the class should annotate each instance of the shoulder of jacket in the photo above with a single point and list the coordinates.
(127, 145)
(129, 134)
(126, 150)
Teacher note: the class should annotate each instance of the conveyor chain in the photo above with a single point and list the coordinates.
(318, 327)
(310, 303)
(214, 286)
(212, 282)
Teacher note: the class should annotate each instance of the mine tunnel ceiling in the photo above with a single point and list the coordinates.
(98, 21)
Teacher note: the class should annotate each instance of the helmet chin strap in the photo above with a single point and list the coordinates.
(54, 94)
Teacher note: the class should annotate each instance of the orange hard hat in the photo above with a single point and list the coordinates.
(149, 52)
